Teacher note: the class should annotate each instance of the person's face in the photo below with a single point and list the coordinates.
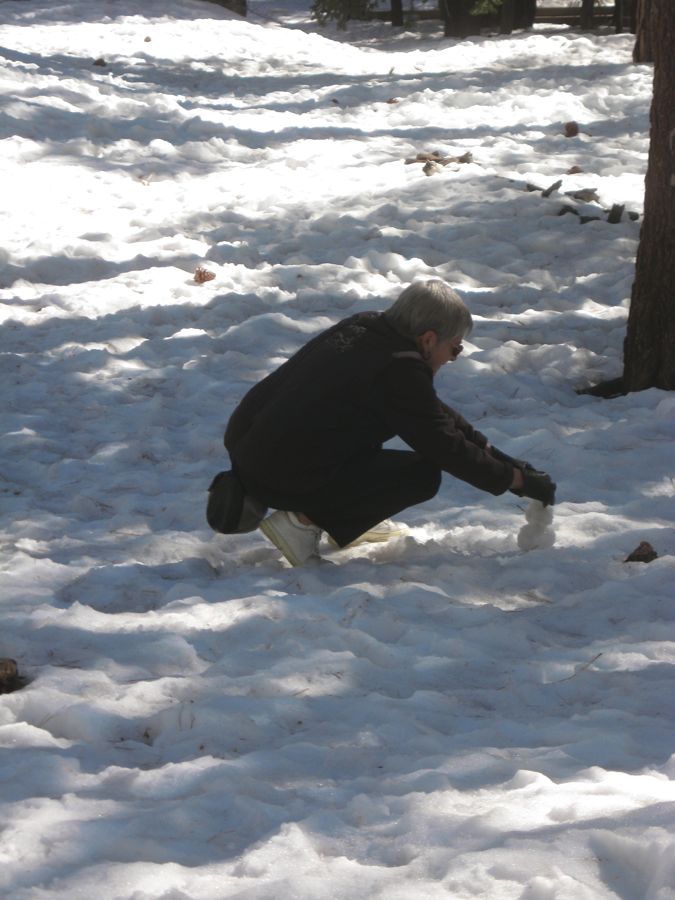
(439, 352)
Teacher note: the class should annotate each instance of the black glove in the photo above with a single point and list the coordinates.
(537, 486)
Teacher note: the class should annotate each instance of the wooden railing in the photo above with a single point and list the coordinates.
(621, 15)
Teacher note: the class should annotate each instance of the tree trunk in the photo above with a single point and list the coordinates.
(624, 15)
(633, 16)
(526, 10)
(507, 19)
(587, 13)
(397, 12)
(649, 347)
(237, 6)
(457, 17)
(643, 51)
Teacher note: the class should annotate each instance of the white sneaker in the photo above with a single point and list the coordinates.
(296, 541)
(384, 531)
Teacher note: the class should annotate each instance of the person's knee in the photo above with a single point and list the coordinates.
(429, 479)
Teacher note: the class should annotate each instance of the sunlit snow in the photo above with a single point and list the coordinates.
(482, 708)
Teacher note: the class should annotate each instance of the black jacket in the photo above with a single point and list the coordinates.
(345, 393)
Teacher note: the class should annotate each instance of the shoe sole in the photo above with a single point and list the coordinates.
(279, 542)
(380, 539)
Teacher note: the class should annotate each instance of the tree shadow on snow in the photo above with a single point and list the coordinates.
(142, 76)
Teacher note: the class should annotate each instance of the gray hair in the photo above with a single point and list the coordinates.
(430, 306)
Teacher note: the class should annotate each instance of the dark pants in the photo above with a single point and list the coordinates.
(364, 492)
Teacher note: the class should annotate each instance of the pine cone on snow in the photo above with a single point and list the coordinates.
(9, 676)
(644, 552)
(203, 275)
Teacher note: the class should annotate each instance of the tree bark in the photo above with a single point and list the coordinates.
(587, 13)
(526, 11)
(397, 12)
(643, 51)
(633, 16)
(649, 346)
(507, 19)
(457, 17)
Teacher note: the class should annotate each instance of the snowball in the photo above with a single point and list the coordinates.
(538, 533)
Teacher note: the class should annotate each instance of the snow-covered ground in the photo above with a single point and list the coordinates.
(445, 716)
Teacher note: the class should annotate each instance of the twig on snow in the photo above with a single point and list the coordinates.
(578, 669)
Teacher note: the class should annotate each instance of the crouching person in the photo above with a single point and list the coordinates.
(307, 441)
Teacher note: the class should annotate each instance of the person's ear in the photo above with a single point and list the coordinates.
(427, 342)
